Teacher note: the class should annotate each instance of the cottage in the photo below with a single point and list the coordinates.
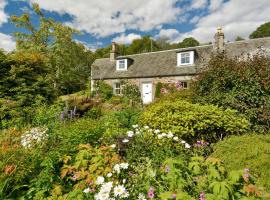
(170, 66)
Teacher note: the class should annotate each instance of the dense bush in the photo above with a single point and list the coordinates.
(131, 92)
(102, 89)
(248, 151)
(194, 121)
(241, 84)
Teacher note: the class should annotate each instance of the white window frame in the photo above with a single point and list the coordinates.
(191, 58)
(117, 88)
(118, 68)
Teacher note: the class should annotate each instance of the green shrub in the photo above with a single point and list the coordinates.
(94, 113)
(104, 90)
(247, 151)
(241, 84)
(131, 91)
(158, 88)
(194, 121)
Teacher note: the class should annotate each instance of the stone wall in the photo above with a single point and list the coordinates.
(154, 81)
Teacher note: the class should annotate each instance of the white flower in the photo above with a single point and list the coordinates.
(125, 141)
(137, 132)
(109, 175)
(86, 190)
(124, 165)
(141, 197)
(164, 134)
(124, 180)
(170, 135)
(183, 142)
(130, 133)
(102, 196)
(187, 145)
(157, 131)
(135, 126)
(117, 168)
(146, 127)
(175, 138)
(106, 187)
(119, 190)
(159, 136)
(113, 146)
(125, 194)
(100, 180)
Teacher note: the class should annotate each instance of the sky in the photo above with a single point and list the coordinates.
(103, 21)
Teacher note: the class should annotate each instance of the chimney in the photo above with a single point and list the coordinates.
(219, 44)
(113, 53)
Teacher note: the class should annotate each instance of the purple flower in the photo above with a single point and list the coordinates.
(174, 196)
(167, 169)
(62, 116)
(202, 196)
(150, 193)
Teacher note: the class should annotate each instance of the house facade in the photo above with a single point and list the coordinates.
(178, 66)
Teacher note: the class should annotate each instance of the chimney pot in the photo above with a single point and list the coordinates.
(219, 44)
(113, 53)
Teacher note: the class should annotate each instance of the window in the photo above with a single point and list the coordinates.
(121, 64)
(117, 88)
(185, 58)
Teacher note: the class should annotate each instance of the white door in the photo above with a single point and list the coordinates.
(147, 93)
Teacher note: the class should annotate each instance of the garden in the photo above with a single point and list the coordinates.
(209, 142)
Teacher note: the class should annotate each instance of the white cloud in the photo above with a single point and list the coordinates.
(173, 35)
(126, 39)
(237, 17)
(215, 4)
(104, 18)
(199, 4)
(6, 42)
(3, 15)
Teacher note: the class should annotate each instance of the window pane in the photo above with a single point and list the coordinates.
(185, 58)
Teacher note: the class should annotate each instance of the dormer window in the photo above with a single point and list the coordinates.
(121, 65)
(185, 58)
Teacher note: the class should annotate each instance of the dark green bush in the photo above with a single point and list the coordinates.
(247, 151)
(102, 89)
(241, 84)
(158, 88)
(194, 121)
(94, 113)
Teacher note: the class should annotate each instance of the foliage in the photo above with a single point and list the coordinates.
(239, 38)
(103, 90)
(262, 31)
(158, 88)
(131, 91)
(247, 151)
(194, 121)
(68, 61)
(188, 42)
(241, 84)
(17, 164)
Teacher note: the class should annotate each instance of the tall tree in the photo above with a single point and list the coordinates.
(68, 61)
(261, 31)
(188, 42)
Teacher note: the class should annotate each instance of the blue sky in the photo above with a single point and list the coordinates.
(103, 21)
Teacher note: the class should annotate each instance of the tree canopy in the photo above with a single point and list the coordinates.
(261, 31)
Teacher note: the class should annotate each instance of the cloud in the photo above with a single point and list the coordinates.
(173, 35)
(6, 42)
(3, 15)
(126, 39)
(199, 4)
(104, 18)
(237, 17)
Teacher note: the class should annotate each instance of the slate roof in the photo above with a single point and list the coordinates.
(164, 63)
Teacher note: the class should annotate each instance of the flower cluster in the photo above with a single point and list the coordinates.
(110, 190)
(137, 131)
(35, 135)
(201, 143)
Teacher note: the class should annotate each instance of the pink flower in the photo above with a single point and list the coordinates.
(174, 196)
(202, 196)
(150, 193)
